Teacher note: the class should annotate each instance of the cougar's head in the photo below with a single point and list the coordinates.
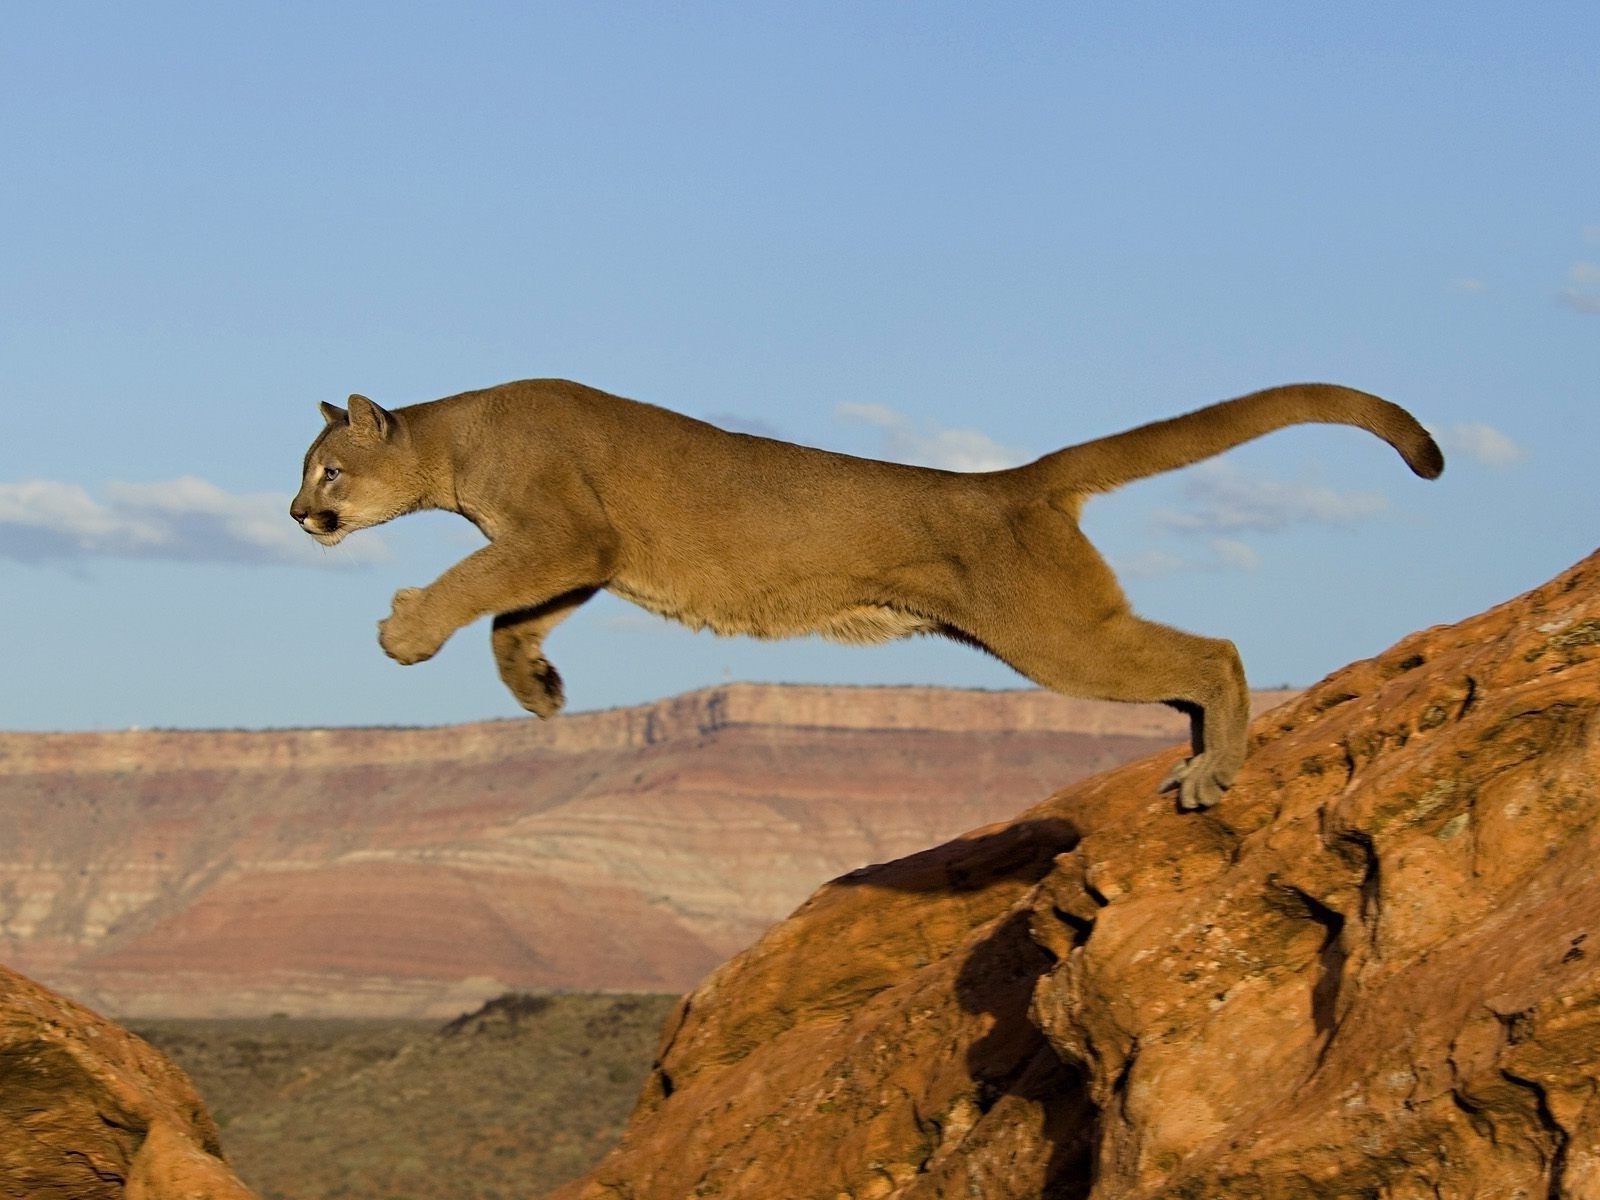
(361, 470)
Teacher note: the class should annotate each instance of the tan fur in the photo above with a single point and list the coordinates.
(578, 490)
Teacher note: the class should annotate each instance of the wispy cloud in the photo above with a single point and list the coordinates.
(1234, 555)
(1482, 443)
(636, 621)
(180, 520)
(739, 423)
(930, 445)
(1470, 287)
(1221, 554)
(1223, 499)
(1582, 292)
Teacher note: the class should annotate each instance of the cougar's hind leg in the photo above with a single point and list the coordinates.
(518, 642)
(1059, 617)
(1126, 658)
(1219, 724)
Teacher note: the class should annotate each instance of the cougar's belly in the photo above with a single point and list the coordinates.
(775, 615)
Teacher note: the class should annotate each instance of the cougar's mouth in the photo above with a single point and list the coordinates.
(324, 526)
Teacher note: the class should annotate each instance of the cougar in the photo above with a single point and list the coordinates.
(578, 490)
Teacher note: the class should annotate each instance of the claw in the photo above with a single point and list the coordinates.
(1197, 786)
(1198, 794)
(1176, 776)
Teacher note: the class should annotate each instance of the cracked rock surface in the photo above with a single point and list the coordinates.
(1372, 971)
(88, 1111)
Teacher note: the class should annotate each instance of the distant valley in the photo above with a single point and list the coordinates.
(417, 872)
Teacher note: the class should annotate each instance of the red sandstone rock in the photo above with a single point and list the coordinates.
(88, 1111)
(421, 871)
(1371, 972)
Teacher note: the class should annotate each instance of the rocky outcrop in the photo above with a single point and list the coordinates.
(420, 871)
(1370, 972)
(88, 1111)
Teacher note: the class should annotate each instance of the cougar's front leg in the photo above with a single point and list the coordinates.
(518, 641)
(505, 576)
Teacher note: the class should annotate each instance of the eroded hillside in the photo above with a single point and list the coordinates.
(1370, 972)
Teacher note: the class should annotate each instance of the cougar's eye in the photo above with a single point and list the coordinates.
(330, 473)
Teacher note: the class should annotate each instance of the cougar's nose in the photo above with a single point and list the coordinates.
(299, 514)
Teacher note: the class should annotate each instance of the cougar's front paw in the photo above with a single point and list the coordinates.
(527, 672)
(405, 634)
(1198, 785)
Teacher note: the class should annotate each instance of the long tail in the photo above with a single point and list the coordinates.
(1110, 462)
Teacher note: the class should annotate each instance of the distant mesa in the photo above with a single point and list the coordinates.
(419, 872)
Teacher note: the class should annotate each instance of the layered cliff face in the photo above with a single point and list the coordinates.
(420, 871)
(1370, 972)
(90, 1112)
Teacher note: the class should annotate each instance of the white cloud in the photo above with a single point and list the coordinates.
(1471, 287)
(1222, 554)
(739, 423)
(182, 520)
(929, 445)
(1482, 443)
(1235, 554)
(1150, 563)
(1226, 500)
(636, 621)
(1582, 292)
(1222, 501)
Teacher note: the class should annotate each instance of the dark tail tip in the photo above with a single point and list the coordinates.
(1427, 459)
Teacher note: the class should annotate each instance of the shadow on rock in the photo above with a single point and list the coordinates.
(1017, 1078)
(1020, 853)
(1013, 1066)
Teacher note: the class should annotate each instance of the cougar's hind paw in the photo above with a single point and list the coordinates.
(1198, 787)
(1175, 776)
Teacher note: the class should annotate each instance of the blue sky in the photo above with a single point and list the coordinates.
(955, 234)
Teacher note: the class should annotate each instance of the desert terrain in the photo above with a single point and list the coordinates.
(1367, 973)
(504, 1103)
(419, 872)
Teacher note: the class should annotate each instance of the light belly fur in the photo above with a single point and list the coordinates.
(855, 623)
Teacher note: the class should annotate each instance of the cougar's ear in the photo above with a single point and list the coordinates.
(367, 420)
(332, 414)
